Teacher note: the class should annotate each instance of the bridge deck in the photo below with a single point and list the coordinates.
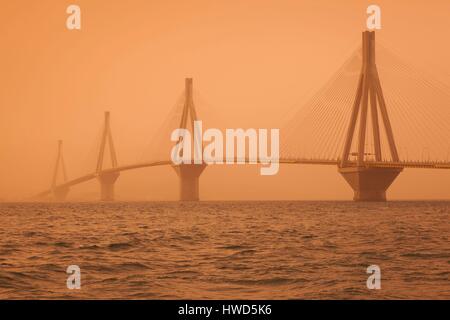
(373, 164)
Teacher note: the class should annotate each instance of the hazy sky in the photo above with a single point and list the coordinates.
(254, 62)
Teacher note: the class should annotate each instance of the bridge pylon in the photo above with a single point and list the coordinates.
(107, 178)
(189, 174)
(59, 192)
(368, 183)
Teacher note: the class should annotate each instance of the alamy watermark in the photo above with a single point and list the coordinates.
(374, 280)
(73, 22)
(374, 19)
(232, 150)
(74, 279)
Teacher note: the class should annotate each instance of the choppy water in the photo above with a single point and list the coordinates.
(219, 250)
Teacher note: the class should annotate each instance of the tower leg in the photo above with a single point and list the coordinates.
(189, 175)
(369, 184)
(60, 193)
(107, 181)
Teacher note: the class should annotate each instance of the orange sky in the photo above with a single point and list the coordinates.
(253, 61)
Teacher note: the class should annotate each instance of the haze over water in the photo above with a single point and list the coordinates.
(219, 250)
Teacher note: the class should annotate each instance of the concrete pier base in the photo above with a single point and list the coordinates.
(189, 175)
(60, 193)
(369, 184)
(107, 181)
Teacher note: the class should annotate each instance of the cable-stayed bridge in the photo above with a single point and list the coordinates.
(376, 116)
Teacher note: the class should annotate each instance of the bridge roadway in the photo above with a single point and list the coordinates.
(371, 164)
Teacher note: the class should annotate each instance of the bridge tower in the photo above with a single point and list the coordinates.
(107, 178)
(59, 192)
(368, 183)
(189, 174)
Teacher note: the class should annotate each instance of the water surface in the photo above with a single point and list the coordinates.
(221, 250)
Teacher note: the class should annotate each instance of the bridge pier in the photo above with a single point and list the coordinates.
(107, 181)
(60, 193)
(369, 184)
(189, 175)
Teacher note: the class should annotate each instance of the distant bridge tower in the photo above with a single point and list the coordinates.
(189, 174)
(369, 183)
(106, 178)
(60, 192)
